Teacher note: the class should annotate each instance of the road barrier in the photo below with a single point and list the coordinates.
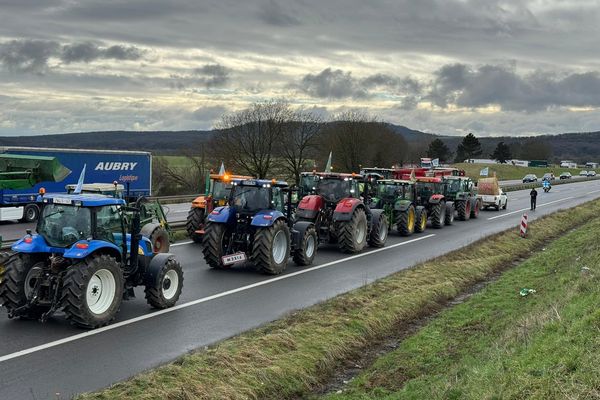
(524, 225)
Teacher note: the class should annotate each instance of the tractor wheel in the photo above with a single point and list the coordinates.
(352, 234)
(160, 240)
(306, 253)
(214, 244)
(379, 231)
(194, 222)
(464, 209)
(92, 291)
(421, 224)
(166, 289)
(475, 209)
(16, 283)
(449, 217)
(407, 221)
(438, 215)
(30, 213)
(271, 248)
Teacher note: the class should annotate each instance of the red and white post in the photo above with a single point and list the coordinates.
(524, 225)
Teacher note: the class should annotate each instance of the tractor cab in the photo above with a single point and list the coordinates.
(388, 191)
(458, 187)
(249, 196)
(332, 187)
(428, 187)
(380, 173)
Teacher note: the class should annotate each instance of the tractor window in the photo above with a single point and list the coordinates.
(220, 190)
(308, 184)
(277, 199)
(388, 192)
(334, 190)
(251, 198)
(63, 225)
(108, 223)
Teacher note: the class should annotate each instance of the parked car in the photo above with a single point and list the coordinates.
(566, 175)
(591, 173)
(583, 173)
(530, 178)
(548, 176)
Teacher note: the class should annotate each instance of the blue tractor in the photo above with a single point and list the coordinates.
(257, 225)
(87, 256)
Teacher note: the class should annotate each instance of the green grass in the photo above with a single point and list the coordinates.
(510, 172)
(176, 161)
(499, 345)
(292, 356)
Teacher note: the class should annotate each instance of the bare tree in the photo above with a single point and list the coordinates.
(187, 177)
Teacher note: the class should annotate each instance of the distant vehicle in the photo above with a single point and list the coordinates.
(538, 163)
(548, 177)
(591, 173)
(530, 178)
(591, 165)
(566, 175)
(583, 173)
(568, 164)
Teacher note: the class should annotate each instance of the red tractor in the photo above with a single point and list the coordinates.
(333, 202)
(430, 195)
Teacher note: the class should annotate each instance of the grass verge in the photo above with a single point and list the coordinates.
(291, 356)
(498, 344)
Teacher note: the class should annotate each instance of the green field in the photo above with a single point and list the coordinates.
(175, 161)
(509, 172)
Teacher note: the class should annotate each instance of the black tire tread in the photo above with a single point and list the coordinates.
(211, 244)
(153, 293)
(194, 222)
(345, 233)
(299, 255)
(374, 239)
(437, 215)
(261, 249)
(403, 227)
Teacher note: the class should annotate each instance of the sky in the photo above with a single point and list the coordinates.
(440, 66)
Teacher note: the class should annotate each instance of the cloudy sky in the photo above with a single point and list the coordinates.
(443, 66)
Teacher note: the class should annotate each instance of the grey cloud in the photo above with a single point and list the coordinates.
(209, 113)
(27, 55)
(124, 10)
(209, 76)
(88, 52)
(274, 14)
(499, 85)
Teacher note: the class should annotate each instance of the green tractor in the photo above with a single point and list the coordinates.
(398, 199)
(461, 192)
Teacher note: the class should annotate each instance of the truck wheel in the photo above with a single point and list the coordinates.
(379, 231)
(475, 208)
(406, 221)
(464, 209)
(194, 222)
(92, 291)
(31, 213)
(214, 244)
(438, 215)
(271, 248)
(449, 218)
(166, 289)
(505, 205)
(16, 283)
(421, 224)
(308, 249)
(160, 241)
(352, 234)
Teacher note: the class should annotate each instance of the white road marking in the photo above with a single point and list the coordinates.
(528, 208)
(593, 191)
(195, 302)
(182, 243)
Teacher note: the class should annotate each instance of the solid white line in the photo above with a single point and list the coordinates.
(593, 191)
(528, 208)
(182, 243)
(198, 301)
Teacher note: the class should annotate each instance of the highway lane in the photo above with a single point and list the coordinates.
(218, 304)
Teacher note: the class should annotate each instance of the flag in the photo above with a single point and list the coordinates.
(79, 186)
(485, 171)
(207, 183)
(413, 177)
(222, 169)
(328, 166)
(435, 162)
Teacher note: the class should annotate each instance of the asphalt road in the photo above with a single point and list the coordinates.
(37, 361)
(520, 181)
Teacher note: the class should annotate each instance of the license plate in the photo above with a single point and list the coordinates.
(61, 200)
(233, 258)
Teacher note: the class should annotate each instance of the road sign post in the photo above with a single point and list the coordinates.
(523, 226)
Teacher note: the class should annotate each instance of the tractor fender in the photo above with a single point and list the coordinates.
(222, 215)
(156, 264)
(436, 199)
(199, 202)
(345, 208)
(266, 218)
(310, 206)
(298, 231)
(94, 246)
(36, 245)
(402, 205)
(147, 229)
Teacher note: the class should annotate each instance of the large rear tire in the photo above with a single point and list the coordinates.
(214, 244)
(449, 217)
(194, 222)
(271, 248)
(92, 291)
(379, 231)
(352, 234)
(17, 280)
(306, 253)
(475, 209)
(438, 215)
(407, 220)
(464, 209)
(421, 224)
(164, 291)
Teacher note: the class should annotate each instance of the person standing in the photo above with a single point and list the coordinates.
(533, 195)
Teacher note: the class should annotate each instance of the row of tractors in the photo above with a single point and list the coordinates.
(267, 221)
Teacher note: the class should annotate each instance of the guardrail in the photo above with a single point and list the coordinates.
(186, 198)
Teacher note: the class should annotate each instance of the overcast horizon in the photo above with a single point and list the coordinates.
(447, 67)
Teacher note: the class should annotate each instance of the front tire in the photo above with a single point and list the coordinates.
(165, 290)
(92, 291)
(194, 222)
(438, 215)
(352, 234)
(305, 255)
(407, 221)
(214, 244)
(449, 218)
(464, 209)
(379, 231)
(475, 208)
(421, 224)
(271, 248)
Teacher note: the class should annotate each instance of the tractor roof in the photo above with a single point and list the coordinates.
(334, 175)
(394, 182)
(85, 200)
(227, 177)
(260, 182)
(434, 179)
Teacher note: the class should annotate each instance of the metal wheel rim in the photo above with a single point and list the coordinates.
(279, 247)
(157, 245)
(169, 284)
(31, 213)
(100, 291)
(310, 246)
(383, 230)
(423, 222)
(411, 219)
(360, 232)
(30, 279)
